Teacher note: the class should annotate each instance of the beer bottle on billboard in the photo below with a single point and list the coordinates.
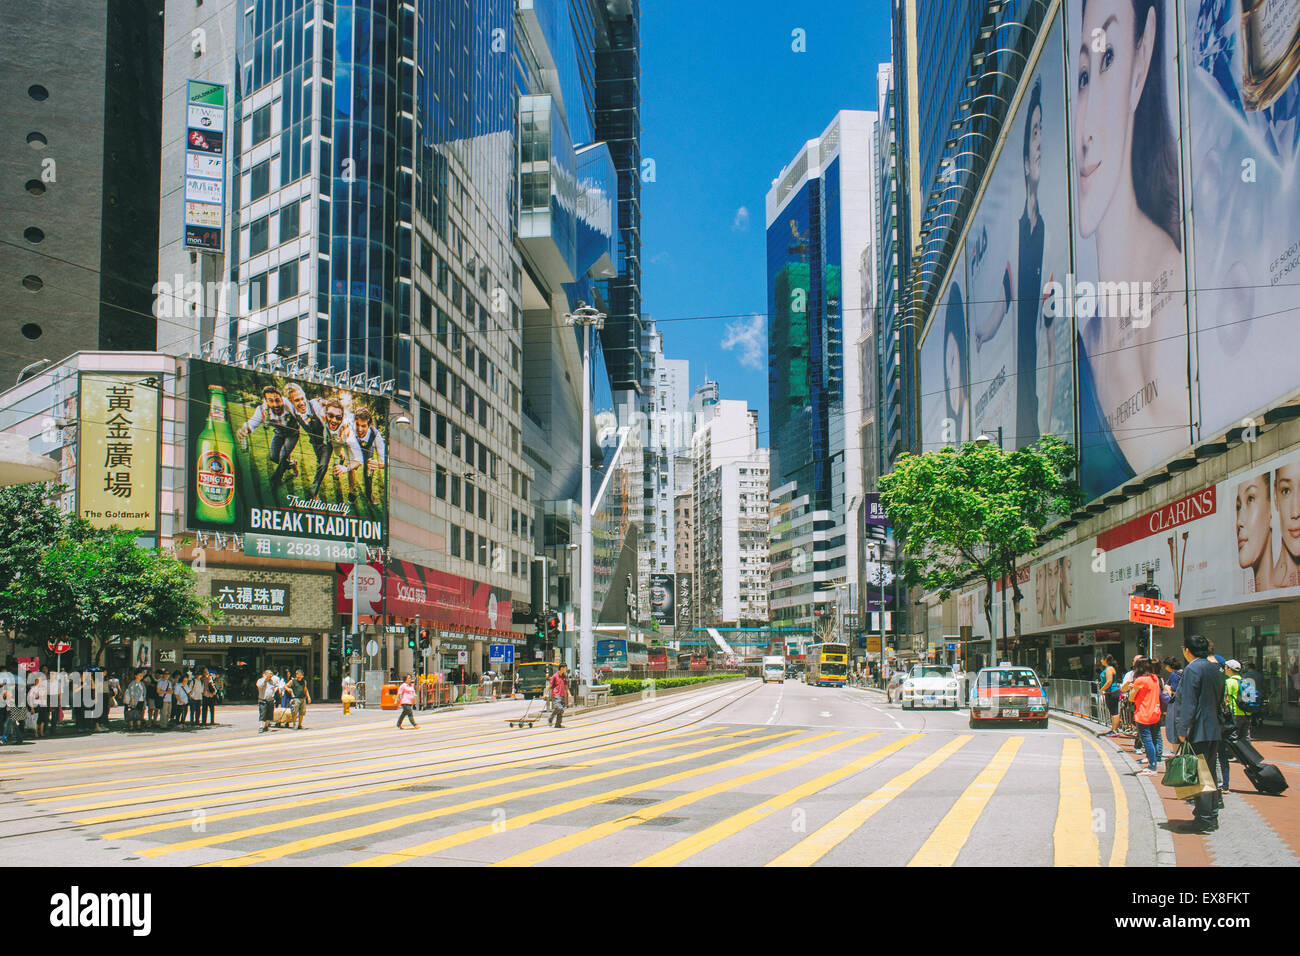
(215, 482)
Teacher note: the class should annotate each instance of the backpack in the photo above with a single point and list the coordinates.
(1248, 695)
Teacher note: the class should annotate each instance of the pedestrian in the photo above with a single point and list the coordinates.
(406, 697)
(180, 699)
(10, 692)
(1126, 701)
(136, 694)
(1110, 688)
(349, 693)
(558, 686)
(1173, 675)
(77, 702)
(112, 697)
(1217, 659)
(164, 687)
(195, 691)
(38, 700)
(1146, 711)
(1236, 721)
(1200, 695)
(266, 695)
(301, 697)
(153, 699)
(208, 703)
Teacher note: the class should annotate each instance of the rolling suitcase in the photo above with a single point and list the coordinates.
(1266, 777)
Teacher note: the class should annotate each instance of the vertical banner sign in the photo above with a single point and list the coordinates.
(662, 600)
(117, 457)
(685, 600)
(205, 166)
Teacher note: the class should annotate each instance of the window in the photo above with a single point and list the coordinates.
(482, 551)
(426, 365)
(444, 274)
(441, 384)
(454, 538)
(457, 437)
(426, 310)
(482, 503)
(426, 258)
(483, 459)
(455, 491)
(262, 125)
(257, 292)
(290, 221)
(426, 420)
(258, 236)
(469, 450)
(288, 280)
(442, 431)
(440, 483)
(259, 180)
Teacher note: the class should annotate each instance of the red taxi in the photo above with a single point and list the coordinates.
(1008, 693)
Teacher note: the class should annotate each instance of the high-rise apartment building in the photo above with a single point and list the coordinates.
(79, 138)
(819, 227)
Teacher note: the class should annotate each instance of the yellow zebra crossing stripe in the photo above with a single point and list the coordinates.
(697, 842)
(817, 844)
(1073, 841)
(554, 848)
(950, 835)
(514, 823)
(1119, 846)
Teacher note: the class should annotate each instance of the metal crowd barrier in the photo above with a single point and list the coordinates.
(1081, 698)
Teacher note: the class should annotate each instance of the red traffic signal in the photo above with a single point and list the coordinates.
(553, 622)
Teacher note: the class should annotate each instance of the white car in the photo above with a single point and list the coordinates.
(930, 685)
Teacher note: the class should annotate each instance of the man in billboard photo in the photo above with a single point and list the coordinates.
(1133, 366)
(342, 449)
(1255, 532)
(274, 414)
(1286, 498)
(310, 414)
(1029, 295)
(372, 448)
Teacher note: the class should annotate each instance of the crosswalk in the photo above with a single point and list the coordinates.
(611, 791)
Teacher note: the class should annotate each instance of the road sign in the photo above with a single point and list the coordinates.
(501, 653)
(952, 647)
(462, 657)
(59, 645)
(372, 647)
(427, 652)
(1145, 610)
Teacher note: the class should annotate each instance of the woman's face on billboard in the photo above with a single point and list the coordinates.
(1286, 492)
(952, 372)
(1112, 71)
(1252, 521)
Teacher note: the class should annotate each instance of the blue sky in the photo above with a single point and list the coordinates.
(725, 104)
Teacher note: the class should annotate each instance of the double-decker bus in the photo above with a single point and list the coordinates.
(828, 665)
(693, 661)
(658, 658)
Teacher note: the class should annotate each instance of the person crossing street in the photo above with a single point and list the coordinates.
(558, 686)
(406, 697)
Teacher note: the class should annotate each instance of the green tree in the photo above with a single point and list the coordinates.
(96, 584)
(976, 511)
(30, 523)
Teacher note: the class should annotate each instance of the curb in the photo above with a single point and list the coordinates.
(1165, 855)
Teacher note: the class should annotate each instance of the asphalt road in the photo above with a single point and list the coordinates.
(736, 773)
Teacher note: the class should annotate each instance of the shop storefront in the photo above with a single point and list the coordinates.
(275, 619)
(1266, 640)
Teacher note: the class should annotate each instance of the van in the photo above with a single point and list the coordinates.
(773, 669)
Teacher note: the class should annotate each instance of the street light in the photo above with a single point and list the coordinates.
(983, 442)
(588, 318)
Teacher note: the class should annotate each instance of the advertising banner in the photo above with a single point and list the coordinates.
(1128, 293)
(1243, 104)
(1222, 545)
(438, 598)
(663, 602)
(1021, 354)
(205, 173)
(685, 617)
(269, 455)
(245, 597)
(945, 374)
(118, 446)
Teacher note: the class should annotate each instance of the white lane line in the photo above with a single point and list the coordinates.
(776, 708)
(825, 713)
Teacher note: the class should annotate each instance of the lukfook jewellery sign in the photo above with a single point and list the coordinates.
(251, 597)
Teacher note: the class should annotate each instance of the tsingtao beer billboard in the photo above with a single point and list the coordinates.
(285, 460)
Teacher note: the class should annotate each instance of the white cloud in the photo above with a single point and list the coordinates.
(741, 222)
(748, 337)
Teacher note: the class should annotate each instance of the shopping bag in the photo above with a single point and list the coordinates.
(1204, 783)
(1181, 769)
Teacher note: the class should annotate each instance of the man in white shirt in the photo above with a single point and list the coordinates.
(284, 425)
(342, 451)
(164, 686)
(267, 692)
(182, 700)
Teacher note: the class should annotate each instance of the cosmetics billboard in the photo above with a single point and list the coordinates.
(1127, 293)
(1021, 354)
(945, 376)
(1243, 102)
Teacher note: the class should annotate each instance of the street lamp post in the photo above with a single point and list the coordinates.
(993, 640)
(588, 318)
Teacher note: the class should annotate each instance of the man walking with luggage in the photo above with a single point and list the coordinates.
(406, 697)
(559, 688)
(1199, 695)
(1236, 721)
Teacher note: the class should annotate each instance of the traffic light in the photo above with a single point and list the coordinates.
(410, 638)
(539, 629)
(424, 638)
(553, 624)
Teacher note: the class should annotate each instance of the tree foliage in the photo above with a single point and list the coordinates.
(61, 577)
(976, 511)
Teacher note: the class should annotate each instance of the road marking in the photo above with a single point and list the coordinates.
(697, 842)
(816, 845)
(776, 708)
(1119, 847)
(554, 848)
(341, 836)
(448, 774)
(514, 823)
(824, 713)
(1073, 841)
(947, 839)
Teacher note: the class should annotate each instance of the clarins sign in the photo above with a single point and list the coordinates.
(1199, 505)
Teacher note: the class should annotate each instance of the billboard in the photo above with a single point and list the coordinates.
(440, 599)
(292, 460)
(1021, 354)
(663, 600)
(1128, 291)
(685, 603)
(1243, 103)
(205, 166)
(118, 450)
(945, 374)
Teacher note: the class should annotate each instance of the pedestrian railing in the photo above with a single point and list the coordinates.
(1078, 697)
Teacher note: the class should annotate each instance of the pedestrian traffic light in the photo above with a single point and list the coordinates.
(553, 624)
(539, 629)
(424, 638)
(410, 638)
